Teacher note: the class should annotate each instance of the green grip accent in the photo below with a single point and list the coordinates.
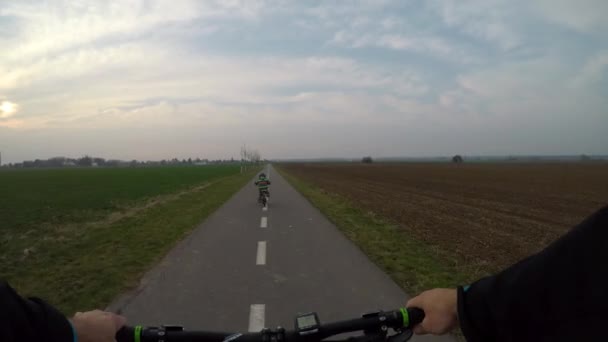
(137, 336)
(406, 318)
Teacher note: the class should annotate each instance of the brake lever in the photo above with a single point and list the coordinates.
(401, 336)
(361, 338)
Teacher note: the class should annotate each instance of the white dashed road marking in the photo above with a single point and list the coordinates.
(256, 317)
(261, 256)
(264, 222)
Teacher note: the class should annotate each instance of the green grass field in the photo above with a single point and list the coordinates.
(80, 237)
(30, 197)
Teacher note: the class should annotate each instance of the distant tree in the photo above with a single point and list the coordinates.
(163, 162)
(133, 163)
(367, 160)
(85, 161)
(56, 161)
(99, 161)
(585, 157)
(189, 160)
(255, 156)
(457, 159)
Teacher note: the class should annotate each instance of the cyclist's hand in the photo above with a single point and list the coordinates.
(440, 310)
(97, 326)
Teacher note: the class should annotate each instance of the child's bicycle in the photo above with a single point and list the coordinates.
(263, 198)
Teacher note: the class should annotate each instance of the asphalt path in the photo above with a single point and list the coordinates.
(247, 267)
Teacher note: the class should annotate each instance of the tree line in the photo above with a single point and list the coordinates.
(88, 161)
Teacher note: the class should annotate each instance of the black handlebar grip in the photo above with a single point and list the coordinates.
(125, 334)
(416, 316)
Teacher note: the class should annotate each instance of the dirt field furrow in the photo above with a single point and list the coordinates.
(483, 217)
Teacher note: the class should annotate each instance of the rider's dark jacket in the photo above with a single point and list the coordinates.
(559, 294)
(30, 320)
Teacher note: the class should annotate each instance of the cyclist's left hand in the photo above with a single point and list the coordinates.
(97, 326)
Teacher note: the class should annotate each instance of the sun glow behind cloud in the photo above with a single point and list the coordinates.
(7, 109)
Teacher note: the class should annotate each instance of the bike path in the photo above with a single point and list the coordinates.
(220, 279)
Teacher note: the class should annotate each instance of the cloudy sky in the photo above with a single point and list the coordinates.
(162, 79)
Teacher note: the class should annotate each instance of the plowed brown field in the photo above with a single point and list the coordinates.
(482, 217)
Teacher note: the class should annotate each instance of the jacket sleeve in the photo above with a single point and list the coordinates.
(559, 294)
(30, 320)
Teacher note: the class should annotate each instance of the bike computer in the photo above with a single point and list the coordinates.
(307, 324)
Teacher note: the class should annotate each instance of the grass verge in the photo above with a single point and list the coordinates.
(85, 266)
(412, 265)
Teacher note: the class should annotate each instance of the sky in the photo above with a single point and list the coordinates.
(150, 80)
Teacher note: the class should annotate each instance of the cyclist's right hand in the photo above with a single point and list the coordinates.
(97, 326)
(440, 309)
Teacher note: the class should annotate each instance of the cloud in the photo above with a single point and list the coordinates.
(594, 71)
(422, 43)
(583, 16)
(62, 24)
(383, 28)
(489, 20)
(74, 64)
(93, 85)
(527, 95)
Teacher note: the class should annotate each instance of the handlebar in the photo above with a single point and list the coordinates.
(374, 325)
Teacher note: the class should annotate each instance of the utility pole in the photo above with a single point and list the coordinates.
(244, 154)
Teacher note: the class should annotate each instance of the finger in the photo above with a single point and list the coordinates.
(119, 321)
(419, 330)
(415, 302)
(421, 327)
